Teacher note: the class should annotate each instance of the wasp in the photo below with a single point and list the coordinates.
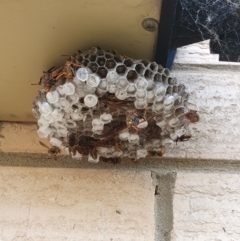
(115, 52)
(114, 131)
(133, 120)
(112, 102)
(67, 71)
(84, 145)
(49, 75)
(159, 152)
(54, 151)
(192, 116)
(152, 132)
(183, 138)
(114, 160)
(48, 79)
(72, 143)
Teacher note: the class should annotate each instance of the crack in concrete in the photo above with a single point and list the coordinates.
(164, 183)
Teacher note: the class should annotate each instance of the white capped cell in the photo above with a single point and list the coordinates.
(124, 135)
(143, 124)
(45, 108)
(169, 100)
(100, 92)
(77, 81)
(141, 83)
(131, 90)
(44, 132)
(89, 90)
(42, 122)
(82, 74)
(103, 85)
(57, 106)
(76, 116)
(102, 150)
(162, 124)
(97, 129)
(64, 103)
(69, 88)
(151, 85)
(122, 83)
(80, 92)
(141, 153)
(90, 100)
(160, 91)
(73, 99)
(62, 131)
(133, 138)
(77, 156)
(97, 122)
(49, 118)
(168, 108)
(57, 114)
(61, 91)
(121, 94)
(92, 160)
(70, 124)
(112, 88)
(150, 96)
(112, 76)
(168, 142)
(106, 118)
(93, 80)
(141, 94)
(52, 97)
(140, 104)
(167, 115)
(55, 142)
(117, 153)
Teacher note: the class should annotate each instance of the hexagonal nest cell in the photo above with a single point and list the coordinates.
(106, 107)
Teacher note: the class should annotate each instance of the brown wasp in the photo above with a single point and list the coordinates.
(114, 131)
(86, 145)
(67, 71)
(159, 152)
(133, 120)
(115, 52)
(48, 80)
(114, 160)
(192, 116)
(54, 151)
(51, 77)
(112, 102)
(183, 138)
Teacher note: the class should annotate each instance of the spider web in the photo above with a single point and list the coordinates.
(217, 20)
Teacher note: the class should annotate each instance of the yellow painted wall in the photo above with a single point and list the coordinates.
(35, 33)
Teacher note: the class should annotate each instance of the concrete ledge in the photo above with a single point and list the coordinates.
(164, 165)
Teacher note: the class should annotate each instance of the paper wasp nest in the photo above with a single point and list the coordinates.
(107, 106)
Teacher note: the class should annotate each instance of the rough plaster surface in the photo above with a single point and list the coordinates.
(215, 95)
(206, 207)
(73, 204)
